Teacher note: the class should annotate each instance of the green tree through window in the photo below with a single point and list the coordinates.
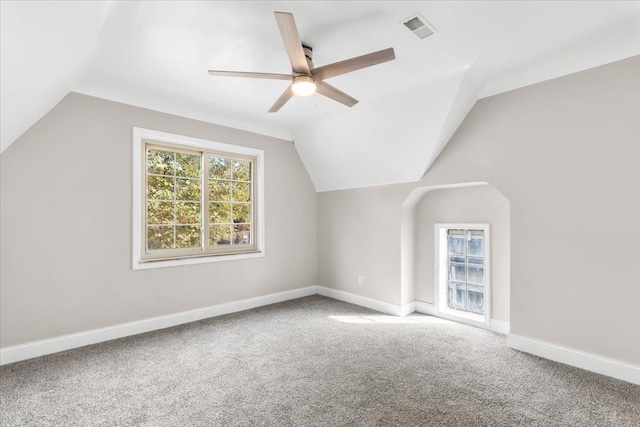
(229, 201)
(197, 202)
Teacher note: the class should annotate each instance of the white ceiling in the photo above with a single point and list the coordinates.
(156, 55)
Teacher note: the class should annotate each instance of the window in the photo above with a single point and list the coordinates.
(463, 270)
(465, 266)
(195, 199)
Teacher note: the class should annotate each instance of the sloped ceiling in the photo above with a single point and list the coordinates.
(156, 55)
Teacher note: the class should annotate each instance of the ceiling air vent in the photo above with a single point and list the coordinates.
(419, 26)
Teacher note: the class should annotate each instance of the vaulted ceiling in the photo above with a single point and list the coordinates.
(156, 55)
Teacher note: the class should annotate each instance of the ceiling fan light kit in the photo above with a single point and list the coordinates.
(305, 79)
(303, 85)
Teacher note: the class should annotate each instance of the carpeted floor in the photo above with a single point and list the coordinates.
(310, 362)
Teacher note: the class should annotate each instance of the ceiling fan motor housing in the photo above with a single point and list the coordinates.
(305, 84)
(308, 54)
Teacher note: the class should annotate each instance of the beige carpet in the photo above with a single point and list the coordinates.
(310, 362)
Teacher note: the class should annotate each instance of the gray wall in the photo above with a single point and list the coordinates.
(358, 234)
(566, 154)
(66, 226)
(472, 205)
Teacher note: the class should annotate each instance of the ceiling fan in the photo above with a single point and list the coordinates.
(305, 78)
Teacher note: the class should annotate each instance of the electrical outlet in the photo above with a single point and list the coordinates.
(360, 280)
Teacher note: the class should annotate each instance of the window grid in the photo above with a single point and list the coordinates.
(174, 167)
(205, 245)
(466, 236)
(232, 226)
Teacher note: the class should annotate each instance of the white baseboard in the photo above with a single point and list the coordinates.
(601, 365)
(407, 309)
(590, 362)
(384, 307)
(80, 339)
(425, 308)
(499, 326)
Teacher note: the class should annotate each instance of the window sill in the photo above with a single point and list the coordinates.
(464, 317)
(145, 265)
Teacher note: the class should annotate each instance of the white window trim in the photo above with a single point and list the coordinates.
(140, 134)
(441, 272)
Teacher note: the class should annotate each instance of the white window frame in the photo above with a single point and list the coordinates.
(140, 135)
(441, 276)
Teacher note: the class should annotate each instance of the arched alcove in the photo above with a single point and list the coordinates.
(468, 203)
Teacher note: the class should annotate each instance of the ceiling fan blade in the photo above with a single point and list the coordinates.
(353, 64)
(250, 74)
(329, 91)
(292, 42)
(286, 95)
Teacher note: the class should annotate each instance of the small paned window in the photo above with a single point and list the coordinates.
(463, 275)
(466, 263)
